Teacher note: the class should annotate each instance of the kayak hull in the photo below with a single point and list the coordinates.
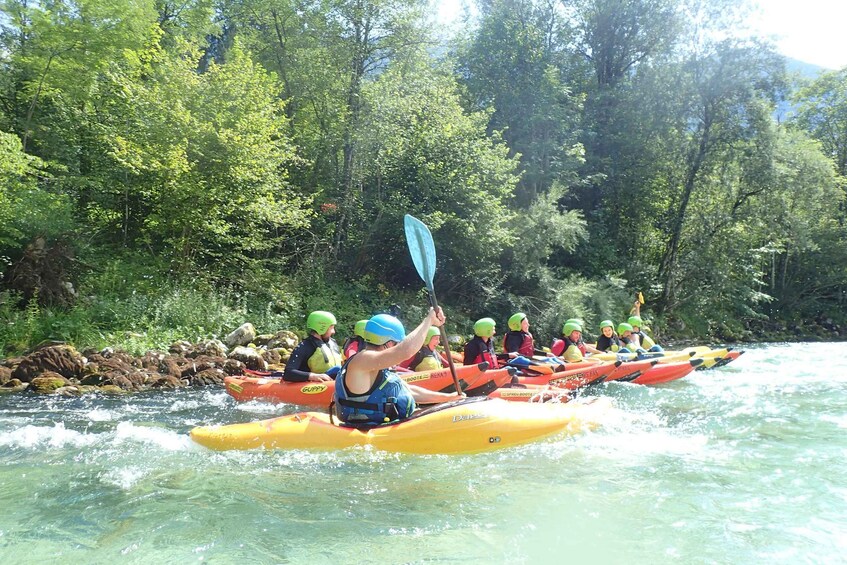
(663, 373)
(630, 370)
(532, 393)
(320, 394)
(489, 381)
(573, 378)
(729, 357)
(465, 426)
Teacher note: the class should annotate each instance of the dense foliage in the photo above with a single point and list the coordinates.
(170, 169)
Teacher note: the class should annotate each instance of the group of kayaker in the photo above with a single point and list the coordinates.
(367, 389)
(571, 346)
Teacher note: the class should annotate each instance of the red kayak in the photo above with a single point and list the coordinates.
(573, 378)
(663, 373)
(269, 389)
(732, 355)
(631, 370)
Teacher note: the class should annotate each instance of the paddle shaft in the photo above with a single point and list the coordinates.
(441, 329)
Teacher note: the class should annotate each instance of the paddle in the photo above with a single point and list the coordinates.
(422, 250)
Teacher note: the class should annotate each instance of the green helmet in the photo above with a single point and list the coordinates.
(577, 321)
(484, 327)
(635, 321)
(431, 333)
(359, 328)
(570, 327)
(320, 321)
(624, 327)
(515, 321)
(607, 324)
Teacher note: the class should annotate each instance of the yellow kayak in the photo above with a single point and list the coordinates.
(465, 426)
(709, 356)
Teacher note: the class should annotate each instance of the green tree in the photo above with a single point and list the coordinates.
(616, 38)
(822, 111)
(58, 48)
(425, 156)
(733, 89)
(193, 165)
(325, 53)
(516, 64)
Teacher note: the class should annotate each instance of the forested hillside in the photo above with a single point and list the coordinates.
(171, 169)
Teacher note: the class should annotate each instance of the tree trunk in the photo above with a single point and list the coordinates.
(361, 34)
(34, 103)
(667, 268)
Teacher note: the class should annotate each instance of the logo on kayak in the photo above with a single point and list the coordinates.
(462, 417)
(515, 393)
(570, 378)
(417, 378)
(313, 389)
(234, 387)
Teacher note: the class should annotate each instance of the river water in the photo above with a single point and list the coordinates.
(741, 464)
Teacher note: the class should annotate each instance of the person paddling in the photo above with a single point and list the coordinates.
(571, 346)
(518, 340)
(645, 340)
(481, 347)
(427, 358)
(355, 342)
(317, 357)
(367, 391)
(629, 339)
(608, 340)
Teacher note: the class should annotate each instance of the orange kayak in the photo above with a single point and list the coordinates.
(543, 368)
(489, 381)
(244, 388)
(532, 393)
(574, 378)
(732, 355)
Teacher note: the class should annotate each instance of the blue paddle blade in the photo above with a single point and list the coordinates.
(421, 248)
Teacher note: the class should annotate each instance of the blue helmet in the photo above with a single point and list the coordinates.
(383, 328)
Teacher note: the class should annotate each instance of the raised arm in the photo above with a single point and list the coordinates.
(376, 359)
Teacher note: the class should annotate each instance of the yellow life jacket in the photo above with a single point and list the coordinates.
(326, 356)
(646, 341)
(573, 354)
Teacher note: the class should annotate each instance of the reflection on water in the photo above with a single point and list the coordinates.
(739, 464)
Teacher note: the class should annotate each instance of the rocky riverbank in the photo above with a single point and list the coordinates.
(58, 368)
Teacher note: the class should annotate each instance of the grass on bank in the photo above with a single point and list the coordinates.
(130, 306)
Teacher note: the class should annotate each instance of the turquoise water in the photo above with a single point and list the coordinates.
(741, 464)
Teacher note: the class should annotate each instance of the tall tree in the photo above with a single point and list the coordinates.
(516, 63)
(325, 52)
(822, 112)
(425, 156)
(732, 92)
(58, 48)
(615, 37)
